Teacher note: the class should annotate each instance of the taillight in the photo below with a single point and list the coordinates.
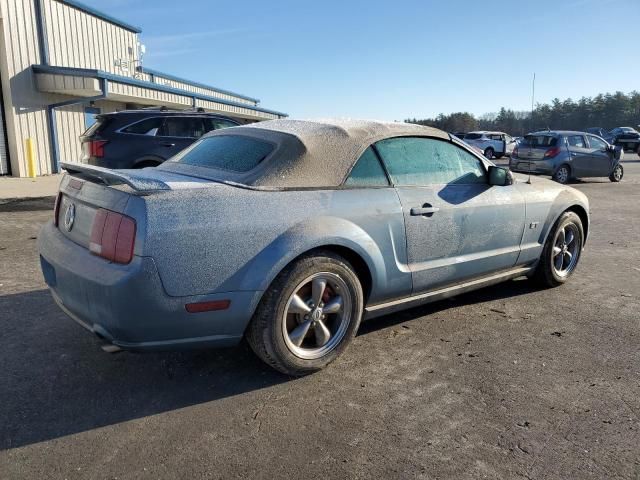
(113, 236)
(96, 148)
(56, 208)
(552, 152)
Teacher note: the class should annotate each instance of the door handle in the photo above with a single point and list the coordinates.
(168, 144)
(427, 210)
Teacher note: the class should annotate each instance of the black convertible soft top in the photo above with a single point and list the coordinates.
(307, 154)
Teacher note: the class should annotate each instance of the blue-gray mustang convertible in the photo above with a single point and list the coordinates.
(289, 233)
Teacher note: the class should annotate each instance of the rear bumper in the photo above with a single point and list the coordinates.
(126, 305)
(540, 167)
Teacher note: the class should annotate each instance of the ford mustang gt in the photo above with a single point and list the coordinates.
(289, 233)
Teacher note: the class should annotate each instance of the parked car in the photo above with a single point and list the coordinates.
(145, 138)
(459, 136)
(565, 155)
(493, 144)
(625, 137)
(598, 131)
(290, 232)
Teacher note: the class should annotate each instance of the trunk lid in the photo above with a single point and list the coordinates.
(85, 190)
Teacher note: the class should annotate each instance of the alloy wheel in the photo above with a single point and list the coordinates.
(562, 175)
(566, 250)
(617, 173)
(317, 315)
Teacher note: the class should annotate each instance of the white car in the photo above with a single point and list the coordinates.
(492, 144)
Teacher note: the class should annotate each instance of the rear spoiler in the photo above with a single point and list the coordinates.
(139, 182)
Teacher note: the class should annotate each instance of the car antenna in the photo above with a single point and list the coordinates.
(533, 98)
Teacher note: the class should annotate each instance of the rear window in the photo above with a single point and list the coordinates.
(234, 153)
(473, 136)
(539, 141)
(99, 125)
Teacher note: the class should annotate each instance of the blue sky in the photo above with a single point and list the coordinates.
(392, 59)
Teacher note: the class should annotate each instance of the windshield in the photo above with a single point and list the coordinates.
(539, 141)
(233, 153)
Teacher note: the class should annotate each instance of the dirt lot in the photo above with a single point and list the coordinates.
(507, 382)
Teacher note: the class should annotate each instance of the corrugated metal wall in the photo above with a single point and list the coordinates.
(24, 112)
(202, 91)
(76, 39)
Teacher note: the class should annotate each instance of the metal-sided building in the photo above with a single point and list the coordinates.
(62, 62)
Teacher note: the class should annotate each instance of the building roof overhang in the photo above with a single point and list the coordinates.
(81, 82)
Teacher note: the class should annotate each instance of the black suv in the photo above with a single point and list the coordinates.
(145, 138)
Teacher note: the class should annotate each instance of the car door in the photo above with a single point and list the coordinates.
(457, 225)
(601, 161)
(579, 155)
(177, 133)
(510, 144)
(138, 140)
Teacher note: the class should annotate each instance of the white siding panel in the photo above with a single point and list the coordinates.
(25, 112)
(77, 39)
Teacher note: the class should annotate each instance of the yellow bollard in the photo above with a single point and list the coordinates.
(31, 158)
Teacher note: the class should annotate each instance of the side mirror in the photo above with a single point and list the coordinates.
(500, 176)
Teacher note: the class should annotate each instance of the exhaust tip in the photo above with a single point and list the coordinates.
(111, 348)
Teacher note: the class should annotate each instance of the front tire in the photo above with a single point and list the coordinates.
(562, 174)
(308, 315)
(617, 174)
(561, 252)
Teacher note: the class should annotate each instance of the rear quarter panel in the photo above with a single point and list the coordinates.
(223, 238)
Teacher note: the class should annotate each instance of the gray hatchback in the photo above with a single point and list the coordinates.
(565, 155)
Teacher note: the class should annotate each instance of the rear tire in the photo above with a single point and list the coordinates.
(562, 174)
(561, 252)
(488, 153)
(617, 174)
(293, 334)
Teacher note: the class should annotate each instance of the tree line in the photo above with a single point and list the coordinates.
(605, 110)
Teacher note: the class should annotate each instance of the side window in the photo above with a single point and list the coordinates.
(576, 141)
(367, 172)
(149, 126)
(427, 161)
(182, 127)
(217, 124)
(597, 143)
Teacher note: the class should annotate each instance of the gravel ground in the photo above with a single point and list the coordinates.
(506, 382)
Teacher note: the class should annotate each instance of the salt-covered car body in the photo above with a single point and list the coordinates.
(182, 255)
